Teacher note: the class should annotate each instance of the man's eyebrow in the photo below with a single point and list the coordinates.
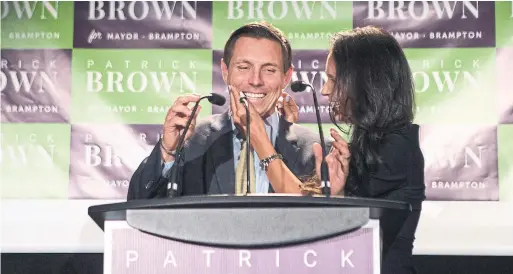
(245, 61)
(270, 64)
(242, 61)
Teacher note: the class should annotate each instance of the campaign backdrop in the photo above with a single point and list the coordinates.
(85, 86)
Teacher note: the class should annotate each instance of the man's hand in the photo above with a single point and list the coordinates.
(288, 107)
(337, 161)
(259, 139)
(175, 122)
(239, 114)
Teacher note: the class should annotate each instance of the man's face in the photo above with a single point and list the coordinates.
(256, 68)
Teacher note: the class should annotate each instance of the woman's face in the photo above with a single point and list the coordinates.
(331, 71)
(338, 102)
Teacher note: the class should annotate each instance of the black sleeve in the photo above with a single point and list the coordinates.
(392, 173)
(147, 181)
(389, 175)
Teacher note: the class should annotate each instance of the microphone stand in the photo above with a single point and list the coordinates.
(299, 86)
(243, 100)
(172, 176)
(172, 185)
(325, 177)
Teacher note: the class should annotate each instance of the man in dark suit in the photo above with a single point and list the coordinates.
(257, 63)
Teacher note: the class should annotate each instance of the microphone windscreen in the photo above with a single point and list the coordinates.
(298, 86)
(217, 99)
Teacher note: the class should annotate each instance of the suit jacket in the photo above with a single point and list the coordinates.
(208, 166)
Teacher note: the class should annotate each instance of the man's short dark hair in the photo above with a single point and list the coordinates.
(260, 30)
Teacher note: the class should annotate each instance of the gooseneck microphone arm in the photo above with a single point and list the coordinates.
(300, 86)
(245, 102)
(173, 184)
(325, 177)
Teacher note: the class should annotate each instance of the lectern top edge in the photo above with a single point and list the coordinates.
(116, 211)
(248, 201)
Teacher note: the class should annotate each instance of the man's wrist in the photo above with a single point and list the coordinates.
(167, 156)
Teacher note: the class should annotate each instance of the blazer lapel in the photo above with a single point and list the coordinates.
(220, 161)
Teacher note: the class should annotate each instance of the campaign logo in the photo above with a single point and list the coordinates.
(35, 85)
(104, 158)
(134, 86)
(47, 24)
(431, 24)
(504, 137)
(309, 66)
(34, 160)
(143, 24)
(504, 23)
(460, 162)
(505, 81)
(454, 85)
(307, 24)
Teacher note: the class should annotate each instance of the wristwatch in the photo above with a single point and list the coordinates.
(264, 163)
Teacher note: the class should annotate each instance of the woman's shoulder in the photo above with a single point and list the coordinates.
(400, 163)
(402, 138)
(400, 150)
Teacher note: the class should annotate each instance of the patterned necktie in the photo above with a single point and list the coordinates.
(240, 172)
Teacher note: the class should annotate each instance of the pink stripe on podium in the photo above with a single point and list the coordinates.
(137, 252)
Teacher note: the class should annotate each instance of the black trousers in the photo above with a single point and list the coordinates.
(399, 257)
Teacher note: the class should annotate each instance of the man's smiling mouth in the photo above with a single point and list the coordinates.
(254, 96)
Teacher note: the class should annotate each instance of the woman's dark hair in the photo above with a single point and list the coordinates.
(373, 92)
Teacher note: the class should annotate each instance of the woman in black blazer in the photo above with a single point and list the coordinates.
(370, 88)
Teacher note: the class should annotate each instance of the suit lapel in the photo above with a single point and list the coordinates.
(286, 145)
(220, 161)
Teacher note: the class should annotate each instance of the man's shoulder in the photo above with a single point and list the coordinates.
(301, 139)
(213, 121)
(207, 121)
(205, 126)
(304, 132)
(198, 141)
(304, 135)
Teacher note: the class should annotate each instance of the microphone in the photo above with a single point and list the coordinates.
(172, 185)
(300, 86)
(244, 100)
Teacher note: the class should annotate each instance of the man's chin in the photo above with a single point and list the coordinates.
(263, 108)
(266, 113)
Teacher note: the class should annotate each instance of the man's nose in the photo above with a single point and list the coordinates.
(256, 79)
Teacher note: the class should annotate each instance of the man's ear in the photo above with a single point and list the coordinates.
(224, 71)
(288, 77)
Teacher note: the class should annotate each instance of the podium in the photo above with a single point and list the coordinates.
(228, 234)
